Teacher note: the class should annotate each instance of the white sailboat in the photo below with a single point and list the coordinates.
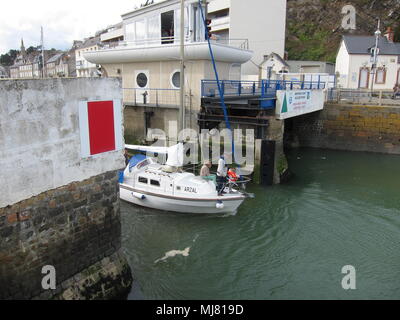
(148, 183)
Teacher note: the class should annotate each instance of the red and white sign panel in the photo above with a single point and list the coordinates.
(101, 127)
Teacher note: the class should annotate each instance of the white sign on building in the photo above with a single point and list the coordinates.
(298, 102)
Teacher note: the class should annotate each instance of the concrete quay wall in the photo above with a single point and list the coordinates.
(58, 207)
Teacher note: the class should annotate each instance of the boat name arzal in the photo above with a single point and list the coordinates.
(191, 190)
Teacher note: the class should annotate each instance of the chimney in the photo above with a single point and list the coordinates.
(389, 34)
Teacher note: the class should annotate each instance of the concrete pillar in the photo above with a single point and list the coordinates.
(274, 135)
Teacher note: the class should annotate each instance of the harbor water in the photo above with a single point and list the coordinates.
(290, 242)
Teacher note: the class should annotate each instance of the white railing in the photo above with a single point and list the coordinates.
(236, 43)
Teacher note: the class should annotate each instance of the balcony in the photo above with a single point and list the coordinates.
(168, 49)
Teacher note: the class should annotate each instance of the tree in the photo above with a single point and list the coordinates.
(31, 50)
(5, 60)
(8, 58)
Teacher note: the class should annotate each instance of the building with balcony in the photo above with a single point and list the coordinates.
(148, 60)
(112, 35)
(262, 22)
(84, 68)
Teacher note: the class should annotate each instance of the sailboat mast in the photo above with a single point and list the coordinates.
(42, 45)
(182, 71)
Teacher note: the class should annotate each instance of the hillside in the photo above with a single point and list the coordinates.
(314, 27)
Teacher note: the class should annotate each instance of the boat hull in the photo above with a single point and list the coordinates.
(182, 205)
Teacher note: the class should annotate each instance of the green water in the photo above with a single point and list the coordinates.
(291, 242)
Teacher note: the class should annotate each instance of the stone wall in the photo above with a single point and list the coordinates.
(349, 127)
(72, 228)
(58, 207)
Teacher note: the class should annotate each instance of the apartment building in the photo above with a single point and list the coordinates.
(84, 68)
(261, 22)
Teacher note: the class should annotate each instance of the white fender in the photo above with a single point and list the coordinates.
(220, 205)
(139, 195)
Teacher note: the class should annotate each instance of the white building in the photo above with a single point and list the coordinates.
(272, 66)
(354, 62)
(262, 22)
(113, 35)
(84, 68)
(148, 60)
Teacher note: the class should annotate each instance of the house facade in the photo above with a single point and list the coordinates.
(354, 63)
(272, 66)
(56, 66)
(148, 61)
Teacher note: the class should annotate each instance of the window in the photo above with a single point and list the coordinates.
(178, 23)
(140, 29)
(363, 81)
(154, 29)
(235, 72)
(380, 76)
(141, 80)
(167, 27)
(130, 32)
(398, 77)
(155, 183)
(143, 180)
(176, 79)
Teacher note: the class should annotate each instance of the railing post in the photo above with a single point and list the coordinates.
(240, 88)
(254, 87)
(380, 97)
(263, 87)
(134, 94)
(223, 87)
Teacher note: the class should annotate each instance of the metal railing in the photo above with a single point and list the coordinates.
(235, 43)
(263, 88)
(363, 96)
(155, 97)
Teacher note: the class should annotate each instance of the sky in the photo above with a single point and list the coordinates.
(62, 21)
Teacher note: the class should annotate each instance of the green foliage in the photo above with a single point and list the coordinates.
(309, 42)
(282, 165)
(8, 58)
